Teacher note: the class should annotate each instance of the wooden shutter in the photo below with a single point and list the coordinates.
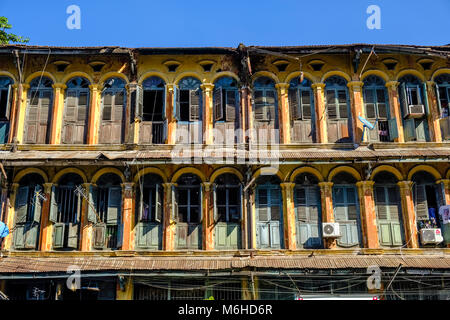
(37, 204)
(53, 215)
(425, 97)
(301, 204)
(176, 103)
(139, 108)
(141, 203)
(194, 105)
(313, 203)
(8, 102)
(294, 104)
(275, 210)
(22, 204)
(421, 202)
(92, 205)
(260, 108)
(306, 104)
(381, 203)
(409, 126)
(58, 235)
(72, 239)
(119, 235)
(107, 106)
(331, 104)
(218, 104)
(158, 204)
(393, 129)
(114, 205)
(216, 212)
(174, 204)
(19, 236)
(230, 105)
(99, 231)
(403, 99)
(438, 99)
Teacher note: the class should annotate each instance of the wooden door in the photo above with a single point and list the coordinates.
(76, 116)
(38, 117)
(269, 218)
(309, 219)
(112, 115)
(346, 213)
(387, 203)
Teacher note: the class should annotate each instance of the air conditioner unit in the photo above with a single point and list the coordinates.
(416, 111)
(330, 230)
(431, 236)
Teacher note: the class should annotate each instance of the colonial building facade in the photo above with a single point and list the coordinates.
(170, 173)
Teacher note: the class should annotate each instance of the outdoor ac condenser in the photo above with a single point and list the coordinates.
(431, 236)
(330, 230)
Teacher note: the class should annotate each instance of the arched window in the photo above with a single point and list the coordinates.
(443, 98)
(114, 97)
(76, 111)
(150, 212)
(153, 127)
(269, 217)
(28, 209)
(226, 100)
(301, 106)
(188, 110)
(65, 211)
(107, 202)
(188, 212)
(414, 108)
(6, 97)
(388, 207)
(39, 111)
(377, 110)
(227, 211)
(308, 211)
(265, 97)
(346, 209)
(338, 110)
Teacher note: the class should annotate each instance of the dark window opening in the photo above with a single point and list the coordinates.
(172, 67)
(282, 67)
(207, 67)
(97, 67)
(61, 67)
(390, 65)
(153, 105)
(184, 105)
(317, 66)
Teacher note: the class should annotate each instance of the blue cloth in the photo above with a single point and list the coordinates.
(4, 231)
(432, 213)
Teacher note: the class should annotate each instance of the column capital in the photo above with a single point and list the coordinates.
(355, 85)
(207, 185)
(127, 185)
(59, 86)
(445, 182)
(171, 86)
(282, 85)
(405, 184)
(287, 185)
(207, 87)
(48, 186)
(319, 85)
(430, 84)
(325, 184)
(25, 86)
(392, 85)
(365, 184)
(130, 86)
(94, 87)
(168, 185)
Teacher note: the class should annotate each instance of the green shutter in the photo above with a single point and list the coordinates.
(176, 103)
(31, 236)
(218, 104)
(8, 101)
(421, 206)
(216, 212)
(409, 127)
(139, 102)
(53, 215)
(158, 204)
(72, 240)
(92, 205)
(114, 205)
(393, 129)
(58, 235)
(403, 99)
(385, 233)
(425, 98)
(37, 204)
(174, 204)
(99, 231)
(19, 236)
(22, 204)
(141, 202)
(396, 234)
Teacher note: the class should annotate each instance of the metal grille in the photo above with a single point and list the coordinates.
(383, 131)
(227, 291)
(158, 132)
(69, 204)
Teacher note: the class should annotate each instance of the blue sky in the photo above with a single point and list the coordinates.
(176, 23)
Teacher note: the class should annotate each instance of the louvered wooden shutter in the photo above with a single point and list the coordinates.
(403, 99)
(92, 205)
(301, 204)
(331, 104)
(306, 104)
(370, 105)
(393, 129)
(294, 105)
(141, 203)
(22, 204)
(99, 231)
(260, 109)
(275, 210)
(107, 106)
(37, 204)
(313, 203)
(438, 99)
(174, 204)
(139, 102)
(425, 97)
(53, 215)
(230, 105)
(381, 204)
(218, 104)
(72, 239)
(8, 102)
(83, 102)
(194, 105)
(58, 235)
(409, 126)
(176, 103)
(421, 202)
(158, 204)
(262, 204)
(114, 205)
(19, 236)
(215, 211)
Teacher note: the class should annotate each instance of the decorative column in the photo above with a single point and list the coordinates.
(22, 107)
(287, 191)
(433, 115)
(356, 108)
(243, 115)
(57, 113)
(368, 214)
(251, 131)
(172, 122)
(128, 216)
(207, 127)
(208, 217)
(283, 110)
(409, 215)
(128, 137)
(10, 216)
(169, 223)
(327, 209)
(394, 107)
(46, 230)
(94, 115)
(86, 229)
(445, 187)
(13, 113)
(321, 119)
